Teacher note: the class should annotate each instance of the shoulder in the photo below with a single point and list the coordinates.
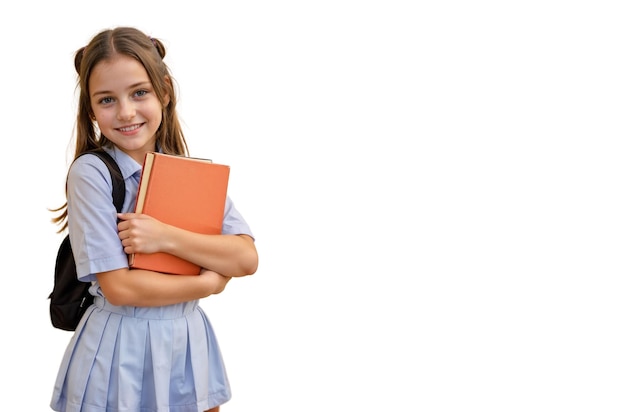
(91, 166)
(87, 167)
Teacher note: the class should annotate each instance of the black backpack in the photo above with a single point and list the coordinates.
(70, 297)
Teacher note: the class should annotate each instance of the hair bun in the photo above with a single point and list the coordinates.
(159, 46)
(78, 58)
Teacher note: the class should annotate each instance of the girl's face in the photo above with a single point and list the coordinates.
(125, 105)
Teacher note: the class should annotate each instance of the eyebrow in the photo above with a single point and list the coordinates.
(132, 86)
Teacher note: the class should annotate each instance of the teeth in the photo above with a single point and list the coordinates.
(130, 128)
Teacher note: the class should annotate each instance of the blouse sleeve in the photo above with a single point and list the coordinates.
(234, 223)
(92, 219)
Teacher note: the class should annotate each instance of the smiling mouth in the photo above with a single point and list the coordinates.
(129, 128)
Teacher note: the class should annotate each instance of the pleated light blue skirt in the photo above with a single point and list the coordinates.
(130, 359)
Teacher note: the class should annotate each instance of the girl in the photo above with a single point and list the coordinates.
(144, 345)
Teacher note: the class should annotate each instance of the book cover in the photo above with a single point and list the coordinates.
(186, 192)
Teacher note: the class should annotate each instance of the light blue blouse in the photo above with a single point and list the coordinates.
(92, 217)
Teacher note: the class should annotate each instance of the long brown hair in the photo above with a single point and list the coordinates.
(149, 52)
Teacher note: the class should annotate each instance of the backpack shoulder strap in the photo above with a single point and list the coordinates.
(119, 187)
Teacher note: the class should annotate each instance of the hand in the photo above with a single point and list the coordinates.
(218, 281)
(141, 233)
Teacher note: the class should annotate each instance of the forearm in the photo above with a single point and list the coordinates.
(146, 288)
(229, 255)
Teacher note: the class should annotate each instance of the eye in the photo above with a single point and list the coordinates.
(141, 93)
(106, 100)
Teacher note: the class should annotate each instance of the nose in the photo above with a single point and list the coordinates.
(126, 110)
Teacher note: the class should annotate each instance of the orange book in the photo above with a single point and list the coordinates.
(186, 192)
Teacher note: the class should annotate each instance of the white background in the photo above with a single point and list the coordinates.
(437, 190)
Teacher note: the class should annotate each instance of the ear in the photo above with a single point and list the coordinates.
(166, 98)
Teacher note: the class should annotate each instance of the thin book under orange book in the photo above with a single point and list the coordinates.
(186, 192)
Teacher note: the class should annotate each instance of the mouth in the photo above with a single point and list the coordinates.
(127, 129)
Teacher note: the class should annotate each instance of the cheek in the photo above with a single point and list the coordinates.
(103, 119)
(158, 113)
